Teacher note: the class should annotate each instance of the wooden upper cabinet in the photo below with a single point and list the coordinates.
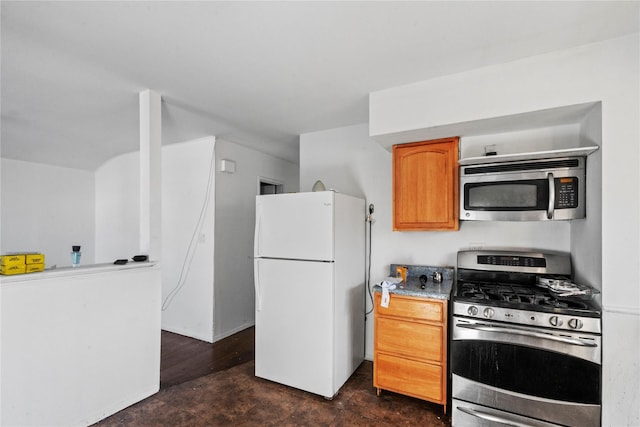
(425, 185)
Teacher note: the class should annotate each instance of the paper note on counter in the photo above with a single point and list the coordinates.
(388, 284)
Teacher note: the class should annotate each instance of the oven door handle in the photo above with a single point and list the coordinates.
(513, 331)
(491, 417)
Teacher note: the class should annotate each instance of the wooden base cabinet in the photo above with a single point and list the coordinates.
(410, 347)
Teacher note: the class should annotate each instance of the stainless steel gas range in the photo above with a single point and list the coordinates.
(526, 342)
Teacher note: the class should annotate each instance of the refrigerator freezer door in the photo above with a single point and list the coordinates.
(295, 226)
(294, 324)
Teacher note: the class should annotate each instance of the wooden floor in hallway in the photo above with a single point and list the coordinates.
(184, 359)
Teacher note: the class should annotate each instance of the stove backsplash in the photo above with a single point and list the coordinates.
(448, 273)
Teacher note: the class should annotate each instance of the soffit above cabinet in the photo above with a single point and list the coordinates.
(570, 114)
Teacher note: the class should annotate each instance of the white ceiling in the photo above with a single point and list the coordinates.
(257, 73)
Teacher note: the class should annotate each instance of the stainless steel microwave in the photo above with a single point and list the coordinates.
(524, 190)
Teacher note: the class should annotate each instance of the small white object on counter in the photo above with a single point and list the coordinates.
(388, 284)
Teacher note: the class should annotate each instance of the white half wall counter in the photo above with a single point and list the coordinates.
(78, 344)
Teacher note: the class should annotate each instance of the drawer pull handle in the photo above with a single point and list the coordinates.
(491, 417)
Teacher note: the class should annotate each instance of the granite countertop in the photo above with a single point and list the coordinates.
(412, 287)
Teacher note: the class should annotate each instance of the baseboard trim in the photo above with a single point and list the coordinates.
(189, 334)
(235, 330)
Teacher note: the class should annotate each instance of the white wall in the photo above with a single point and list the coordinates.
(117, 201)
(185, 176)
(349, 161)
(608, 72)
(111, 196)
(522, 141)
(188, 224)
(78, 345)
(586, 236)
(47, 209)
(235, 218)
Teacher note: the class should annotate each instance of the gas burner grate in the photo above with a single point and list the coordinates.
(563, 303)
(516, 294)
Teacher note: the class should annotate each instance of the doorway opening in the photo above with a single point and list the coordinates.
(269, 186)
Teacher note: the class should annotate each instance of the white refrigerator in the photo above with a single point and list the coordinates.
(309, 260)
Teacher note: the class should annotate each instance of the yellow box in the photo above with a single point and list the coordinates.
(13, 269)
(11, 260)
(32, 268)
(34, 258)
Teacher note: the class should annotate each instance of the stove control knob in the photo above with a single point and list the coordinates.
(473, 310)
(488, 313)
(575, 323)
(555, 321)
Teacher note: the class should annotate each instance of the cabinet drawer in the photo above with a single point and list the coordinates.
(411, 339)
(417, 379)
(416, 308)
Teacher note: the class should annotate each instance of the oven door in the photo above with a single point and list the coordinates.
(552, 376)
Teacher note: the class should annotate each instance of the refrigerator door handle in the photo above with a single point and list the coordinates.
(257, 231)
(256, 283)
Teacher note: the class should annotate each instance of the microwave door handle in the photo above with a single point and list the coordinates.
(552, 195)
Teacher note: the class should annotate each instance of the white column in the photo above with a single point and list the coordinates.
(150, 174)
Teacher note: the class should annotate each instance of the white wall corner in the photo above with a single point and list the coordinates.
(150, 174)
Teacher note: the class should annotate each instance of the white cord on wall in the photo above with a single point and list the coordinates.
(191, 250)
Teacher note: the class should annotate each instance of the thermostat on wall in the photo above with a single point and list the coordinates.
(227, 165)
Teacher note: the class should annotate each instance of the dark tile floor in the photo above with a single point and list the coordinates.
(235, 397)
(204, 384)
